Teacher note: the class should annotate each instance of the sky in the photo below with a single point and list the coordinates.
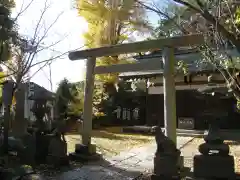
(68, 28)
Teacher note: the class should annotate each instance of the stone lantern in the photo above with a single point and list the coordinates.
(214, 160)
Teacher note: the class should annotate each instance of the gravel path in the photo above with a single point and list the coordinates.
(130, 165)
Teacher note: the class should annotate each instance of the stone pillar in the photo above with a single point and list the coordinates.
(7, 95)
(169, 94)
(88, 101)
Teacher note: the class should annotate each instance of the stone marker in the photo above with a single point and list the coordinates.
(42, 146)
(214, 161)
(28, 154)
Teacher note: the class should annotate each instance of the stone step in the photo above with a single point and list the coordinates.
(190, 131)
(192, 135)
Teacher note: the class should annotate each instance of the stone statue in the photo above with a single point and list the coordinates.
(167, 157)
(165, 146)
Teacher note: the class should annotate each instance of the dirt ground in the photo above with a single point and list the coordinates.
(110, 142)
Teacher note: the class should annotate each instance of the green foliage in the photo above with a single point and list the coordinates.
(237, 16)
(99, 97)
(69, 98)
(219, 22)
(75, 106)
(8, 33)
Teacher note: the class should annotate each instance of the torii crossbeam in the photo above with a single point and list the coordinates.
(167, 62)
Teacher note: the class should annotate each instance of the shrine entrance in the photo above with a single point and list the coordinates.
(166, 63)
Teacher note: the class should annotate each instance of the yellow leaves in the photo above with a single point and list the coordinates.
(99, 114)
(107, 61)
(237, 20)
(110, 22)
(182, 66)
(104, 61)
(13, 100)
(91, 11)
(2, 76)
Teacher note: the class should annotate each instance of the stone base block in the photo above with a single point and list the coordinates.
(84, 157)
(161, 177)
(58, 161)
(85, 153)
(181, 162)
(213, 166)
(166, 166)
(83, 149)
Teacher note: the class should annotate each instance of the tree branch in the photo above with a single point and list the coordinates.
(211, 19)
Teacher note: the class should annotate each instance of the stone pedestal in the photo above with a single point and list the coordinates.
(214, 161)
(27, 155)
(165, 166)
(214, 166)
(85, 153)
(57, 153)
(42, 146)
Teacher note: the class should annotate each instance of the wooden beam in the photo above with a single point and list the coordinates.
(143, 66)
(151, 64)
(141, 46)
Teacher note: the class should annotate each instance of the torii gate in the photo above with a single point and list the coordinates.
(167, 62)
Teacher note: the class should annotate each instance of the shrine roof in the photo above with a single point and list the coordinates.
(190, 57)
(41, 92)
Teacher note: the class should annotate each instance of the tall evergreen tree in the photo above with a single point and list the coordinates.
(8, 35)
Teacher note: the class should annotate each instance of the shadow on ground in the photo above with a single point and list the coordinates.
(111, 135)
(101, 170)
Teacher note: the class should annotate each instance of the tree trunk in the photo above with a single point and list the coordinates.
(20, 123)
(109, 88)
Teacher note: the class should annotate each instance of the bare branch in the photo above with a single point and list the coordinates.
(23, 9)
(211, 19)
(187, 4)
(161, 13)
(51, 45)
(56, 57)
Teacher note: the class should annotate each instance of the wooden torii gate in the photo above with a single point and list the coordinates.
(167, 63)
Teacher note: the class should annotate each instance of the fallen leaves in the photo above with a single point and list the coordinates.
(110, 143)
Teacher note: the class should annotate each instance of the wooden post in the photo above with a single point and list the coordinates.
(169, 94)
(88, 101)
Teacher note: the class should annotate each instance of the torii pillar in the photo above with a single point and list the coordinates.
(88, 101)
(170, 118)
